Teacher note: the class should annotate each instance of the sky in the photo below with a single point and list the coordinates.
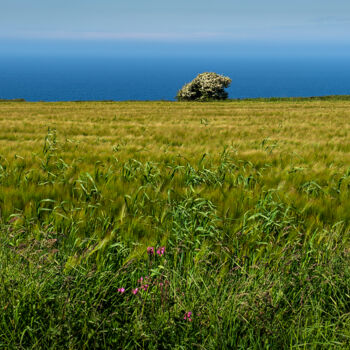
(162, 25)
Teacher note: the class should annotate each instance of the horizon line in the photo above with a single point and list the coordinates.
(160, 37)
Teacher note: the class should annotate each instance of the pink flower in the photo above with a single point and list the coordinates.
(161, 251)
(150, 251)
(188, 316)
(121, 290)
(135, 291)
(143, 280)
(145, 287)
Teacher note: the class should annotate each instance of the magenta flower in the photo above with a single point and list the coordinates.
(145, 279)
(145, 287)
(161, 251)
(150, 251)
(121, 290)
(135, 291)
(188, 316)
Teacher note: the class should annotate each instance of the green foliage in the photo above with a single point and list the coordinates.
(206, 86)
(13, 100)
(216, 251)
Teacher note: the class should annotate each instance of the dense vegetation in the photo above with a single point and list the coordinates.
(175, 225)
(205, 87)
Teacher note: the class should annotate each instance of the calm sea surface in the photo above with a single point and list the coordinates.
(87, 78)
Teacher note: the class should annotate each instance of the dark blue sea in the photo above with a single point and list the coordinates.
(65, 78)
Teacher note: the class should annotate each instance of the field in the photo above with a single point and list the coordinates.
(166, 225)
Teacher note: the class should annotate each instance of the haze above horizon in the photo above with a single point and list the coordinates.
(156, 23)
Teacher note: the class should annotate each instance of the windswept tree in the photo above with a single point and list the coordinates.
(206, 86)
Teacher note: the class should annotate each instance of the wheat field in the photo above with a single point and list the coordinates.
(168, 225)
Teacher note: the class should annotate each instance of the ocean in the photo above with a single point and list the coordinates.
(79, 77)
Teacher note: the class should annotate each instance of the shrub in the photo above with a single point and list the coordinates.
(206, 86)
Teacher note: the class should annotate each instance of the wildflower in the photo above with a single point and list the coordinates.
(145, 287)
(121, 290)
(145, 279)
(135, 291)
(188, 316)
(161, 251)
(150, 251)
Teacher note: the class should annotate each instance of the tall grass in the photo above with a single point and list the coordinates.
(138, 225)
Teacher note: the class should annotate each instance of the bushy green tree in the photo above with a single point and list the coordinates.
(206, 86)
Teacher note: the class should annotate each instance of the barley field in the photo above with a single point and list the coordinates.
(168, 225)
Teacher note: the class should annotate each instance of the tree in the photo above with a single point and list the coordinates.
(206, 86)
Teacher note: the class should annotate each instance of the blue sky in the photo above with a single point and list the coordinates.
(179, 22)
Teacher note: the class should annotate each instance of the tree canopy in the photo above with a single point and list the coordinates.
(206, 86)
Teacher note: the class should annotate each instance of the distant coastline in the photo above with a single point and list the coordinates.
(257, 99)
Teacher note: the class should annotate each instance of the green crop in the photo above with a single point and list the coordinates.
(136, 225)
